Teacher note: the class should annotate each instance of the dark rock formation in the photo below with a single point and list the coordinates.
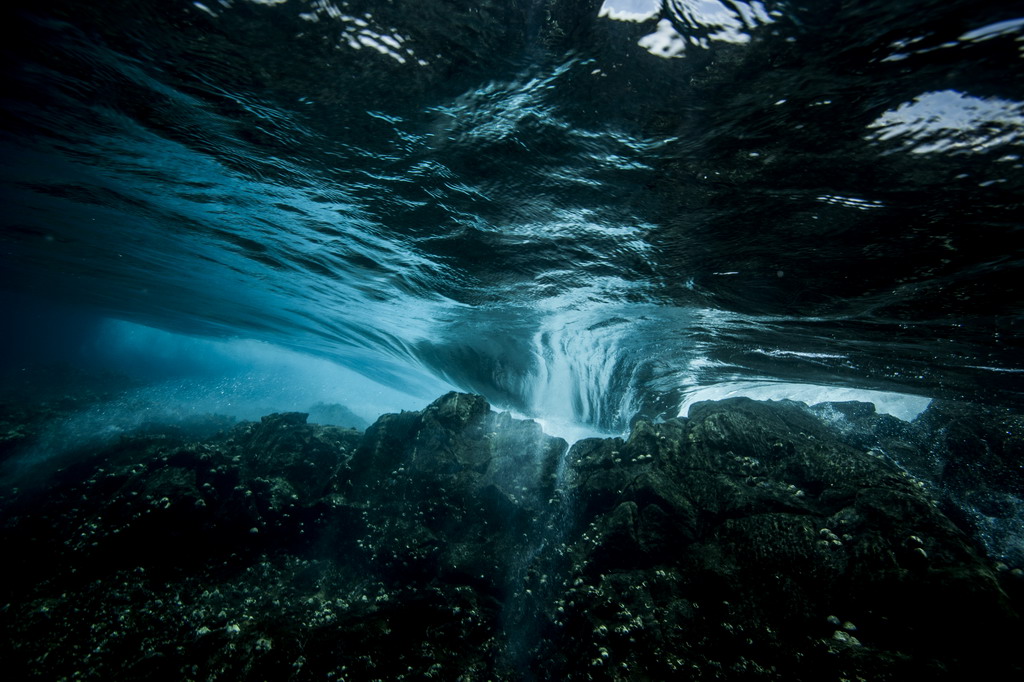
(334, 414)
(971, 459)
(750, 541)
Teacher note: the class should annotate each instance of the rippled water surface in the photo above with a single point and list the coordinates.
(578, 209)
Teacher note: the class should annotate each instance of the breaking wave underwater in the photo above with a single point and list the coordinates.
(595, 214)
(583, 211)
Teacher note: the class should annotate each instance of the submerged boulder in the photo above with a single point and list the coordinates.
(753, 540)
(749, 541)
(970, 458)
(452, 491)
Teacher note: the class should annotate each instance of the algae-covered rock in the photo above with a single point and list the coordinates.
(722, 543)
(753, 540)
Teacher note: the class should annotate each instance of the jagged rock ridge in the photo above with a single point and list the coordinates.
(750, 541)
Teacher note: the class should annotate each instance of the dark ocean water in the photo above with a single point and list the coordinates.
(587, 211)
(580, 210)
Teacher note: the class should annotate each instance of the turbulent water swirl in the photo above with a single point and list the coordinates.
(581, 210)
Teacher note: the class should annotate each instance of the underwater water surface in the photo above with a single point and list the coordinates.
(581, 210)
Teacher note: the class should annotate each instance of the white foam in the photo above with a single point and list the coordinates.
(900, 405)
(577, 367)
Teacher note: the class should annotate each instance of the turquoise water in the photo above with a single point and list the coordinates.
(583, 211)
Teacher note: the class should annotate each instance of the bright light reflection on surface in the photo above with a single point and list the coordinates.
(995, 30)
(950, 121)
(630, 10)
(665, 42)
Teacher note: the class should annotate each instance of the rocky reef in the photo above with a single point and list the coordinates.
(749, 541)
